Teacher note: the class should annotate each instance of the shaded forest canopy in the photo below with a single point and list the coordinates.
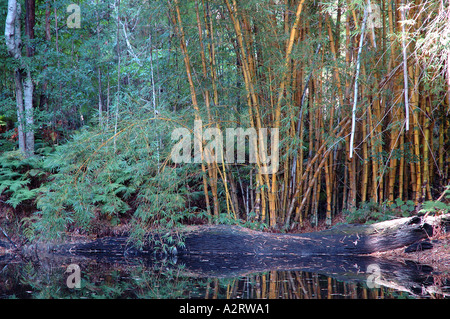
(91, 94)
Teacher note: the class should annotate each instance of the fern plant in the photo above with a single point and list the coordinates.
(20, 178)
(372, 212)
(440, 206)
(116, 177)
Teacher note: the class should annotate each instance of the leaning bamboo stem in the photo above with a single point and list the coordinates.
(321, 152)
(317, 171)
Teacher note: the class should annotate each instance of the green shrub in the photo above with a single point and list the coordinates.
(115, 178)
(438, 207)
(371, 212)
(20, 178)
(401, 208)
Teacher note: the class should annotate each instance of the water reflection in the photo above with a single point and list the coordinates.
(149, 279)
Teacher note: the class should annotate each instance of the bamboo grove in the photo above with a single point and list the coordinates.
(359, 91)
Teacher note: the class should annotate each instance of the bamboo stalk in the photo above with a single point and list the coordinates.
(373, 149)
(401, 168)
(365, 176)
(414, 73)
(441, 142)
(179, 28)
(426, 147)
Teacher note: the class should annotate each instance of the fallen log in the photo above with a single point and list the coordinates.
(339, 240)
(342, 240)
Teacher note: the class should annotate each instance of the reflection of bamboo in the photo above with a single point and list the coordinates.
(396, 286)
(329, 288)
(291, 284)
(263, 286)
(216, 289)
(273, 284)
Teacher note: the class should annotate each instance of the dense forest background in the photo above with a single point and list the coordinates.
(91, 91)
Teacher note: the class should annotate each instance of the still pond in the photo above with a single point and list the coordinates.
(201, 278)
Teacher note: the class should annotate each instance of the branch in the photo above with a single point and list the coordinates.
(130, 47)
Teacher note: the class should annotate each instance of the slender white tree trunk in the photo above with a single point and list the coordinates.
(355, 97)
(12, 29)
(405, 67)
(20, 110)
(29, 119)
(24, 86)
(118, 74)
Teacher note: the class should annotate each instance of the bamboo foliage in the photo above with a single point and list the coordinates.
(357, 123)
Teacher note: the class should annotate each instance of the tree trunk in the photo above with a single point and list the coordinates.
(30, 18)
(20, 110)
(29, 119)
(23, 84)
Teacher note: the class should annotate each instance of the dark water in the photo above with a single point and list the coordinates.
(205, 278)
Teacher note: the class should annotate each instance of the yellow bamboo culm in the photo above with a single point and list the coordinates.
(176, 20)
